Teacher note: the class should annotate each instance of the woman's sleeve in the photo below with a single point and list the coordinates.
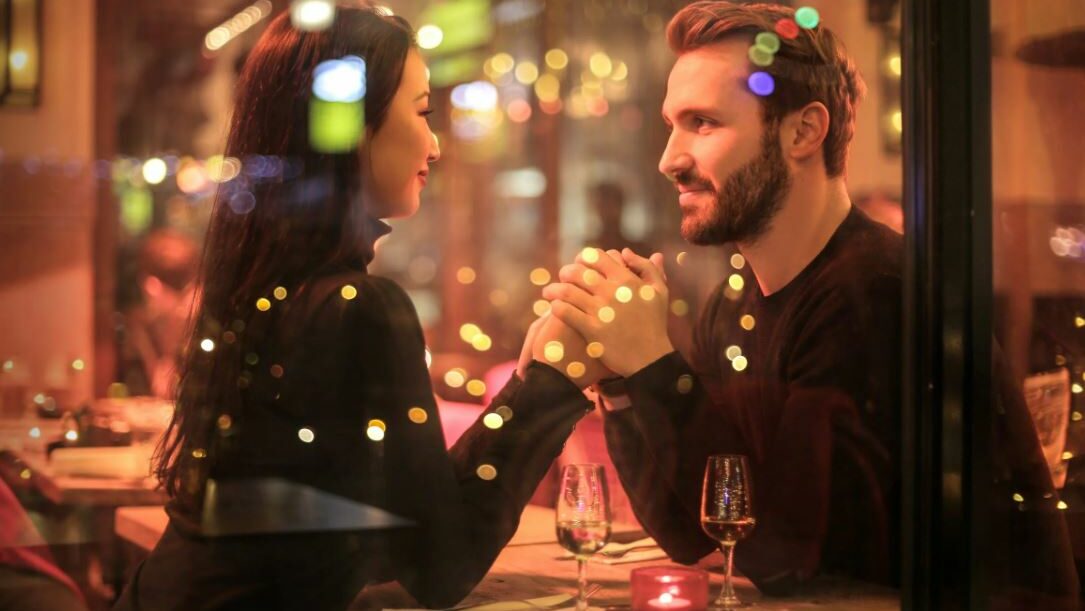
(466, 505)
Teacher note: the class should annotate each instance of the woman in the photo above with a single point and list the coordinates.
(304, 369)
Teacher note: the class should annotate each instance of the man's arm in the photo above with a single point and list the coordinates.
(622, 311)
(644, 434)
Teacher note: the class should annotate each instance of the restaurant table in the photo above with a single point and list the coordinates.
(92, 491)
(533, 566)
(73, 513)
(29, 454)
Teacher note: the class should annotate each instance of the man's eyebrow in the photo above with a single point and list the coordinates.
(692, 110)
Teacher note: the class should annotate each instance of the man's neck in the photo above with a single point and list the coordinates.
(812, 212)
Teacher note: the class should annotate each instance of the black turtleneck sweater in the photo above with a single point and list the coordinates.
(344, 351)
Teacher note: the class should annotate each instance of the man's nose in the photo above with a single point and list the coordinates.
(675, 159)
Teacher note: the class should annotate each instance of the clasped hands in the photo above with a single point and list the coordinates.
(608, 316)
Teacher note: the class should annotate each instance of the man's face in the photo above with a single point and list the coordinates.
(729, 170)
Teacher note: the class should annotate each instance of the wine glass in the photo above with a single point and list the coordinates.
(583, 518)
(727, 514)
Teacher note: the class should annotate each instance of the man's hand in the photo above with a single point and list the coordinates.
(565, 350)
(620, 311)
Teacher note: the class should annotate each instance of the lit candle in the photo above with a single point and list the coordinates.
(667, 600)
(668, 587)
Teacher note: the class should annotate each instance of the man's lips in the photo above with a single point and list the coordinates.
(692, 188)
(691, 191)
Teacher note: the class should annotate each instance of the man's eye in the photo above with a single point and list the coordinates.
(699, 122)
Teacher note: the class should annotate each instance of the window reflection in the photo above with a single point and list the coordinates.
(547, 119)
(1038, 74)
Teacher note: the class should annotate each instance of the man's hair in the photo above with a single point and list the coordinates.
(812, 67)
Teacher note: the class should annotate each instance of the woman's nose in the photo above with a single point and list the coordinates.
(435, 150)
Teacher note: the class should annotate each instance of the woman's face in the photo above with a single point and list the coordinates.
(396, 157)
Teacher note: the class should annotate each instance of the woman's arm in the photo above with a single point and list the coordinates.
(466, 504)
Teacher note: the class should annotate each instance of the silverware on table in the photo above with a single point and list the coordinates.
(617, 550)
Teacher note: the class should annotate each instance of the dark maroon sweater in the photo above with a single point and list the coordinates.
(816, 409)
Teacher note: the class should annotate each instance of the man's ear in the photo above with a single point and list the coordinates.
(804, 131)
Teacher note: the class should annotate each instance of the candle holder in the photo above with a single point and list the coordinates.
(668, 587)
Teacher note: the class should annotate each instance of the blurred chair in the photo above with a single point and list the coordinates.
(29, 578)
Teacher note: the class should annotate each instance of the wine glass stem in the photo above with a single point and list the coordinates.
(727, 596)
(581, 583)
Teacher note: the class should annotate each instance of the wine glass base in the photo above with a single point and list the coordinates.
(728, 604)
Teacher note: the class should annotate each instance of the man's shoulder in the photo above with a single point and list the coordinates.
(868, 259)
(870, 245)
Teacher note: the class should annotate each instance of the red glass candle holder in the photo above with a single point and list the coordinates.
(668, 587)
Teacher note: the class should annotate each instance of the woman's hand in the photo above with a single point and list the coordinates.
(559, 346)
(529, 343)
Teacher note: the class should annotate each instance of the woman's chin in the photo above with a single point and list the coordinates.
(402, 208)
(407, 209)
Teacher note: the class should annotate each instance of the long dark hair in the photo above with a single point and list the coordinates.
(291, 211)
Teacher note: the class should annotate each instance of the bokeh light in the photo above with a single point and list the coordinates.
(430, 36)
(761, 83)
(154, 171)
(519, 111)
(807, 17)
(493, 421)
(527, 72)
(417, 415)
(554, 351)
(312, 15)
(768, 41)
(539, 276)
(556, 59)
(600, 64)
(340, 80)
(760, 57)
(465, 275)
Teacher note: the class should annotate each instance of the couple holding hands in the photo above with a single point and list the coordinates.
(800, 372)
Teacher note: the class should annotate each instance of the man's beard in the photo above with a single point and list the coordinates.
(750, 198)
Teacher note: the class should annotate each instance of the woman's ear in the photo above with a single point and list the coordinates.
(805, 131)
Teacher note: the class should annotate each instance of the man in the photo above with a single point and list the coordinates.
(796, 358)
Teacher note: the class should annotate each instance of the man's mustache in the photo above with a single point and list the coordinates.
(693, 180)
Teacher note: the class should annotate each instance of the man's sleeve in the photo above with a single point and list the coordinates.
(662, 481)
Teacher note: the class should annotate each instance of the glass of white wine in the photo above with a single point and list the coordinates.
(583, 518)
(727, 514)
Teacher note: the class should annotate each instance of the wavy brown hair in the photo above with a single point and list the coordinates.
(812, 67)
(292, 211)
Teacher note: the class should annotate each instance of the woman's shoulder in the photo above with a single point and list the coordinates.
(355, 296)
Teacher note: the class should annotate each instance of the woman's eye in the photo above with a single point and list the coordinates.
(427, 112)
